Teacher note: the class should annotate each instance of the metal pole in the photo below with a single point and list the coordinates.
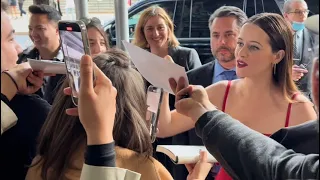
(122, 25)
(81, 7)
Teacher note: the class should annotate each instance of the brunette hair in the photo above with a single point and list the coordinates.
(61, 136)
(281, 38)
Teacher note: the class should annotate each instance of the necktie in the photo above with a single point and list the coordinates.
(230, 75)
(296, 54)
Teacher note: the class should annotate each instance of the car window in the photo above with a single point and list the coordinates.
(313, 6)
(201, 11)
(181, 19)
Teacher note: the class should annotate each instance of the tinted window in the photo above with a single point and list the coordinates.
(313, 6)
(181, 19)
(201, 11)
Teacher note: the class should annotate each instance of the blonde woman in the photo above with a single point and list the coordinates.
(155, 33)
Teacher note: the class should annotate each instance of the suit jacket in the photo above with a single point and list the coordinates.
(307, 56)
(18, 144)
(302, 138)
(107, 173)
(149, 168)
(201, 76)
(52, 84)
(185, 57)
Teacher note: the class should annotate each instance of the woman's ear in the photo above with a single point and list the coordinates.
(279, 56)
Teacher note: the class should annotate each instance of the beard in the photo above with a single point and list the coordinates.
(224, 57)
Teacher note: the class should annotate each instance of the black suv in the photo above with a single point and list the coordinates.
(190, 18)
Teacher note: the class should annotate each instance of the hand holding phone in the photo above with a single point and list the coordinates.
(298, 72)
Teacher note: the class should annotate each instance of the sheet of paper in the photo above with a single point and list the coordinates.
(48, 66)
(155, 69)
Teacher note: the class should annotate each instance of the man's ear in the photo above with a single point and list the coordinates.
(279, 56)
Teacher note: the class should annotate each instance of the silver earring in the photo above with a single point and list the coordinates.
(274, 69)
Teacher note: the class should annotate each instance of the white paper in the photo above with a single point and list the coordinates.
(48, 66)
(155, 69)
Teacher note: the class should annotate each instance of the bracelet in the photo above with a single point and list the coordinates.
(14, 81)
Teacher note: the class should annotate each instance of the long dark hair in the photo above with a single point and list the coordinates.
(61, 136)
(281, 38)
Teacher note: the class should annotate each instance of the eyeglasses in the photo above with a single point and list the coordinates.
(305, 12)
(89, 20)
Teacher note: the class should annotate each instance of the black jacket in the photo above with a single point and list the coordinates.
(302, 138)
(18, 144)
(248, 154)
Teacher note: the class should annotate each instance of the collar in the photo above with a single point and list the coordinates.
(218, 69)
(58, 57)
(298, 34)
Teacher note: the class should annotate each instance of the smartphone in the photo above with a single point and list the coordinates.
(154, 100)
(296, 61)
(75, 44)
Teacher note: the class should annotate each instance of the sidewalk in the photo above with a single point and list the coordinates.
(21, 24)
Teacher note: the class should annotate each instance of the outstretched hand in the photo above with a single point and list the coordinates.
(195, 104)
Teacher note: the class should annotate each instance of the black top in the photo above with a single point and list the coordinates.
(247, 154)
(302, 138)
(101, 155)
(18, 144)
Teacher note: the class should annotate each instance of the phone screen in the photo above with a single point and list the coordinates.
(154, 99)
(73, 50)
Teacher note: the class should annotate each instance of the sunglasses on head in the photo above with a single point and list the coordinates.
(89, 20)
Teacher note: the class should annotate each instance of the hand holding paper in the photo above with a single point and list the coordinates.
(154, 69)
(48, 66)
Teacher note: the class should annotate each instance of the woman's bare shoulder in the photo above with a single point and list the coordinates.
(302, 110)
(217, 91)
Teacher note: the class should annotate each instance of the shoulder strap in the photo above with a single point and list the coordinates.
(289, 110)
(226, 96)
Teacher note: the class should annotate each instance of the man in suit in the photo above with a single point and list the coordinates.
(224, 26)
(296, 12)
